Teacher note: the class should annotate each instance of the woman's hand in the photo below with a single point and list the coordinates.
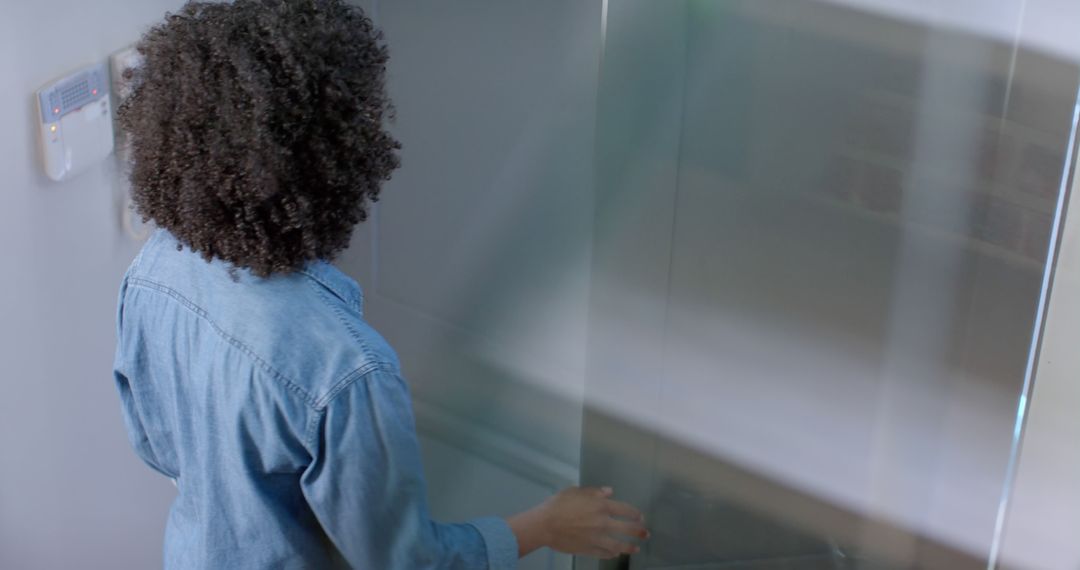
(583, 521)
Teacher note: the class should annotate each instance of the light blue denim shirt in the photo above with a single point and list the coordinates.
(283, 418)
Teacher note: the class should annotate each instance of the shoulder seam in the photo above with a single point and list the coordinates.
(373, 358)
(324, 283)
(285, 381)
(371, 355)
(347, 381)
(340, 386)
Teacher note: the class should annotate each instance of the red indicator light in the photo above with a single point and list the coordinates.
(56, 111)
(93, 92)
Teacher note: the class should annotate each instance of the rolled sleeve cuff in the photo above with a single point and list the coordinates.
(501, 544)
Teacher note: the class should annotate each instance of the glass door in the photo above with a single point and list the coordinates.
(822, 240)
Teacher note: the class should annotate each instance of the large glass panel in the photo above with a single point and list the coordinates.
(822, 232)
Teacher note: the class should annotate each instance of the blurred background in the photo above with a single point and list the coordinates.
(794, 276)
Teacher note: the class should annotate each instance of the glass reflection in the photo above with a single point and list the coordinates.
(821, 238)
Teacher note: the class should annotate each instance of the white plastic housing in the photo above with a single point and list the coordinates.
(75, 122)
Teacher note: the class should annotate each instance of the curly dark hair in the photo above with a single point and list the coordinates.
(257, 129)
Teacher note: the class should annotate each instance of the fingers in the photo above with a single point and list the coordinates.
(633, 529)
(600, 492)
(620, 509)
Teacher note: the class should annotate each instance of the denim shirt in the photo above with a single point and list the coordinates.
(283, 419)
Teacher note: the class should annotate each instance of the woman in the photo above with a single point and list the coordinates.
(245, 368)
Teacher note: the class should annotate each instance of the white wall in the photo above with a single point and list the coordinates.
(72, 493)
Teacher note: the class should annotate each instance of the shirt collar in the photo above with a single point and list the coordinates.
(344, 287)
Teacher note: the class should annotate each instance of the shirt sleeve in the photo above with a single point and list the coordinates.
(366, 487)
(137, 436)
(133, 423)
